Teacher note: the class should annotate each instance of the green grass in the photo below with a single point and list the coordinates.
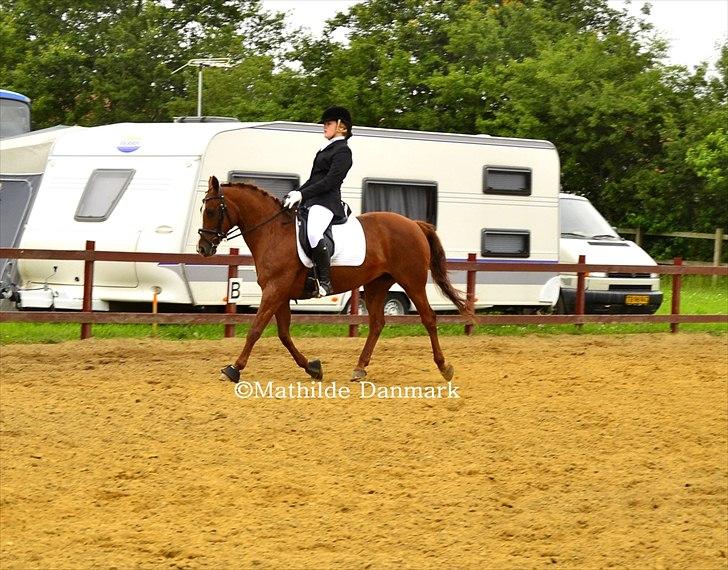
(699, 296)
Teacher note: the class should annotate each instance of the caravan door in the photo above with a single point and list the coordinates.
(16, 198)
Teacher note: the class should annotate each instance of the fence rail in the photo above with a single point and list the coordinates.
(718, 238)
(237, 319)
(230, 318)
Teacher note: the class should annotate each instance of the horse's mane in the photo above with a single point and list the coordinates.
(254, 188)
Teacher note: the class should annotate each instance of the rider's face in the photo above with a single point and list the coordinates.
(330, 129)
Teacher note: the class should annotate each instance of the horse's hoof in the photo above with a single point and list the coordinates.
(232, 373)
(315, 370)
(448, 372)
(358, 374)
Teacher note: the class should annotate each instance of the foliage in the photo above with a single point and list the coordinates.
(708, 158)
(93, 62)
(646, 142)
(635, 136)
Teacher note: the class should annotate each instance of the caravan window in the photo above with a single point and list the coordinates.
(276, 184)
(103, 191)
(416, 200)
(505, 243)
(504, 180)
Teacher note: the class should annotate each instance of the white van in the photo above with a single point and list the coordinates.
(139, 187)
(585, 232)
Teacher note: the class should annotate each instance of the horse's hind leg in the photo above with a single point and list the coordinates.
(283, 320)
(419, 297)
(375, 294)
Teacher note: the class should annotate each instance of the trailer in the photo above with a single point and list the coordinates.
(23, 159)
(139, 187)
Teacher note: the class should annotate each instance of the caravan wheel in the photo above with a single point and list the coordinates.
(560, 306)
(362, 306)
(396, 304)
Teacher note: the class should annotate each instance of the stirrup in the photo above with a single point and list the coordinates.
(321, 291)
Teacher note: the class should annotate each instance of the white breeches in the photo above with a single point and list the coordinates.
(319, 218)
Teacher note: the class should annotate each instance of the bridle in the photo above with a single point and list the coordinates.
(234, 231)
(223, 213)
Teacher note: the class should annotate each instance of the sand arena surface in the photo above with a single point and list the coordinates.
(575, 451)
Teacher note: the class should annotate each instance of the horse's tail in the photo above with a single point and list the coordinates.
(439, 270)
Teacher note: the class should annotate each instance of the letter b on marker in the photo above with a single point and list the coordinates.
(234, 286)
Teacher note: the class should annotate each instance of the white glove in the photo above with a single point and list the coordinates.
(291, 199)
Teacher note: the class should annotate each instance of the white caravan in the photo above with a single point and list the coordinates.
(585, 232)
(139, 187)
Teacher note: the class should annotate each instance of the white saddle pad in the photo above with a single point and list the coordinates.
(350, 244)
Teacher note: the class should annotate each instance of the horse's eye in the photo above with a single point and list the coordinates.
(209, 211)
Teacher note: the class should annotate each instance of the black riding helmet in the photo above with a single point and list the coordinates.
(338, 114)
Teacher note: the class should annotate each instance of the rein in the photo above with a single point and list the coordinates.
(231, 233)
(255, 227)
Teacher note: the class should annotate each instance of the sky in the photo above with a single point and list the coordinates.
(693, 27)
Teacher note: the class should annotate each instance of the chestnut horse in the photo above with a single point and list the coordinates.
(398, 250)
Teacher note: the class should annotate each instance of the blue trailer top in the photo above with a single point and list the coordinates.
(6, 94)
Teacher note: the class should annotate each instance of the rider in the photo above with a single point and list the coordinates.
(321, 193)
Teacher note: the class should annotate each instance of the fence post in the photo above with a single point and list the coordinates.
(155, 307)
(638, 236)
(717, 250)
(676, 289)
(88, 286)
(354, 310)
(470, 297)
(231, 308)
(579, 304)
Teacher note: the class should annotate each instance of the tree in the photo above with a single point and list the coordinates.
(584, 76)
(644, 141)
(98, 62)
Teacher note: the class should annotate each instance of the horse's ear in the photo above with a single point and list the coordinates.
(213, 184)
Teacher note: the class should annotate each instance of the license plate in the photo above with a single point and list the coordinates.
(637, 300)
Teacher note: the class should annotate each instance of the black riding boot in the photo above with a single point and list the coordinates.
(322, 259)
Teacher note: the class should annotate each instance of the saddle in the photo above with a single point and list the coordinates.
(311, 285)
(328, 234)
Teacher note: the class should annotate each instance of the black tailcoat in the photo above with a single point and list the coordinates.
(329, 170)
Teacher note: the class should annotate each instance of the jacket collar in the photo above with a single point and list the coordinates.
(333, 140)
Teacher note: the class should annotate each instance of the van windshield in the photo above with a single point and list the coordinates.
(580, 219)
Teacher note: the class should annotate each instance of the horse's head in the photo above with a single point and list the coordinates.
(216, 220)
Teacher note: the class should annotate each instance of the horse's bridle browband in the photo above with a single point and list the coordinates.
(231, 233)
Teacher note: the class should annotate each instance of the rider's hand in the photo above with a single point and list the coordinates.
(291, 199)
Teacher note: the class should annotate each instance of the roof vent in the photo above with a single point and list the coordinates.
(206, 120)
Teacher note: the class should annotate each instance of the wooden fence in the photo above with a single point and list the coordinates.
(86, 317)
(718, 238)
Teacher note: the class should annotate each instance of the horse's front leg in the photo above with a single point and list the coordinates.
(269, 305)
(283, 320)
